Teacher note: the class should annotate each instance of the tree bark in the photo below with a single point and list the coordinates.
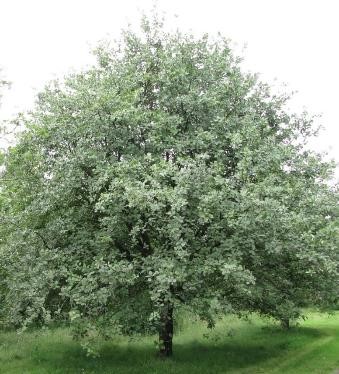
(285, 323)
(166, 331)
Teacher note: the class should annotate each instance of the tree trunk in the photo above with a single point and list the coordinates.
(285, 323)
(166, 331)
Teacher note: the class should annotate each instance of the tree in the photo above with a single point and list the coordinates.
(164, 177)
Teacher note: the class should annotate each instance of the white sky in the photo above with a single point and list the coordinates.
(295, 41)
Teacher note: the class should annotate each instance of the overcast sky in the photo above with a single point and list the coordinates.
(293, 41)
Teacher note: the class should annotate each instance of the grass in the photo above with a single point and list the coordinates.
(234, 346)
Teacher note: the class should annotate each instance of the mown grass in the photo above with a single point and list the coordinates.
(234, 346)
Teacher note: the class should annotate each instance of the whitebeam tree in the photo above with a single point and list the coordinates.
(164, 177)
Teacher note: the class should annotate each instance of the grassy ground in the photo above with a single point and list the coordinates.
(234, 346)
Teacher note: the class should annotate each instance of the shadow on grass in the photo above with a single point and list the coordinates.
(191, 357)
(300, 331)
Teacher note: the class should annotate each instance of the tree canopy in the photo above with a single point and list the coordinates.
(164, 177)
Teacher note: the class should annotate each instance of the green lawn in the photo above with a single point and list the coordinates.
(234, 346)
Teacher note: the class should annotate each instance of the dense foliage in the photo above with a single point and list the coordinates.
(164, 177)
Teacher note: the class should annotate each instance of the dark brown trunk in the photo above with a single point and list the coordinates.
(285, 323)
(166, 332)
